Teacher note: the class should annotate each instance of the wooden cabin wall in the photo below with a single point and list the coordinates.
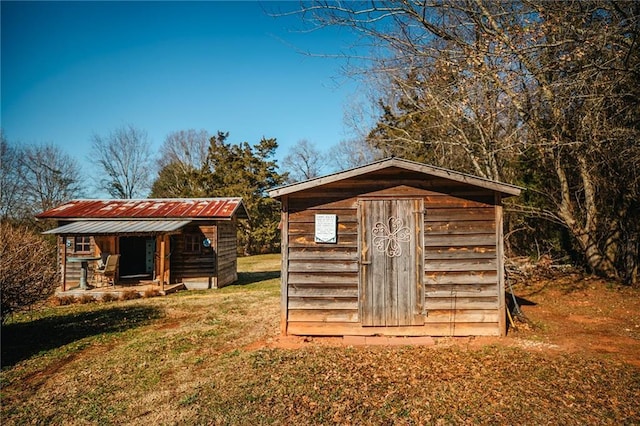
(196, 269)
(227, 254)
(461, 284)
(107, 244)
(462, 291)
(70, 271)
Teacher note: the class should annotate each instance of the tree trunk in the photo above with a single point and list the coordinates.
(585, 234)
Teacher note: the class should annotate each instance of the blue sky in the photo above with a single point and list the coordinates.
(72, 69)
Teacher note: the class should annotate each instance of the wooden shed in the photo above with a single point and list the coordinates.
(393, 248)
(190, 241)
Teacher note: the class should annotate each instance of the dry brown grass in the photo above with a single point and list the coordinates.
(204, 357)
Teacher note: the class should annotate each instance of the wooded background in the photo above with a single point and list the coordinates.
(540, 94)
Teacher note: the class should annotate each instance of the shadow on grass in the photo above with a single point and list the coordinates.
(245, 278)
(23, 340)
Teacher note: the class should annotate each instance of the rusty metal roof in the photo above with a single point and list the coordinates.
(152, 208)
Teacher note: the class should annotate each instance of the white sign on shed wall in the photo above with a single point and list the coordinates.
(326, 228)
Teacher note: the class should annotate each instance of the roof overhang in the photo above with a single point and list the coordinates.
(503, 188)
(203, 209)
(110, 227)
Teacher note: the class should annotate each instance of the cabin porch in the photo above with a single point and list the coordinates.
(141, 287)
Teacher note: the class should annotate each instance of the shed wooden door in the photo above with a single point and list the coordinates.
(391, 264)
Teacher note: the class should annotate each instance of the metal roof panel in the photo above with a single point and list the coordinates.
(96, 227)
(158, 208)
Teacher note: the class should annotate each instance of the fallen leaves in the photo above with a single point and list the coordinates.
(421, 385)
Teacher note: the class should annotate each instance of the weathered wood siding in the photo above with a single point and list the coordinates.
(461, 283)
(227, 254)
(206, 267)
(196, 269)
(70, 271)
(391, 261)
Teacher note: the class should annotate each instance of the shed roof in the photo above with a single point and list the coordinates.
(504, 188)
(107, 227)
(152, 208)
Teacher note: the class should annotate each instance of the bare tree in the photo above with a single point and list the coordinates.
(124, 157)
(182, 155)
(35, 178)
(493, 87)
(10, 187)
(49, 176)
(304, 161)
(351, 153)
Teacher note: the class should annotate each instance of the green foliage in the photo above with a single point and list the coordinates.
(177, 180)
(242, 170)
(228, 170)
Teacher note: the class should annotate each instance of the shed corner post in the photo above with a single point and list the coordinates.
(162, 259)
(63, 262)
(284, 269)
(502, 308)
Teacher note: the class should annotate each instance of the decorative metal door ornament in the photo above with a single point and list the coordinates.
(387, 237)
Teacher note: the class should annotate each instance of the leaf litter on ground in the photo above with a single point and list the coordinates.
(203, 358)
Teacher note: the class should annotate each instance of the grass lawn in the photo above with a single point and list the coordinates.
(195, 358)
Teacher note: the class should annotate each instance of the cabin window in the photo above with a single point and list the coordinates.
(82, 244)
(192, 243)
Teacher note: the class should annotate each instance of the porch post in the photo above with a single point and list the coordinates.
(63, 263)
(162, 265)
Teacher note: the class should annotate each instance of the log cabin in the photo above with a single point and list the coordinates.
(394, 248)
(167, 241)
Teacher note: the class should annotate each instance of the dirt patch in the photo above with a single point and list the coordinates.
(582, 314)
(562, 313)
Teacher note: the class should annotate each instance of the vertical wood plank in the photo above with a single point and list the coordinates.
(378, 267)
(168, 248)
(63, 263)
(389, 294)
(389, 300)
(216, 243)
(502, 320)
(364, 279)
(417, 317)
(284, 279)
(404, 275)
(116, 250)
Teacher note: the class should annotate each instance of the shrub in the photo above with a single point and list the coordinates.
(152, 292)
(28, 273)
(86, 298)
(63, 300)
(129, 295)
(109, 297)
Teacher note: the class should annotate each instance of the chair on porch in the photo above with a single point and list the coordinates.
(109, 270)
